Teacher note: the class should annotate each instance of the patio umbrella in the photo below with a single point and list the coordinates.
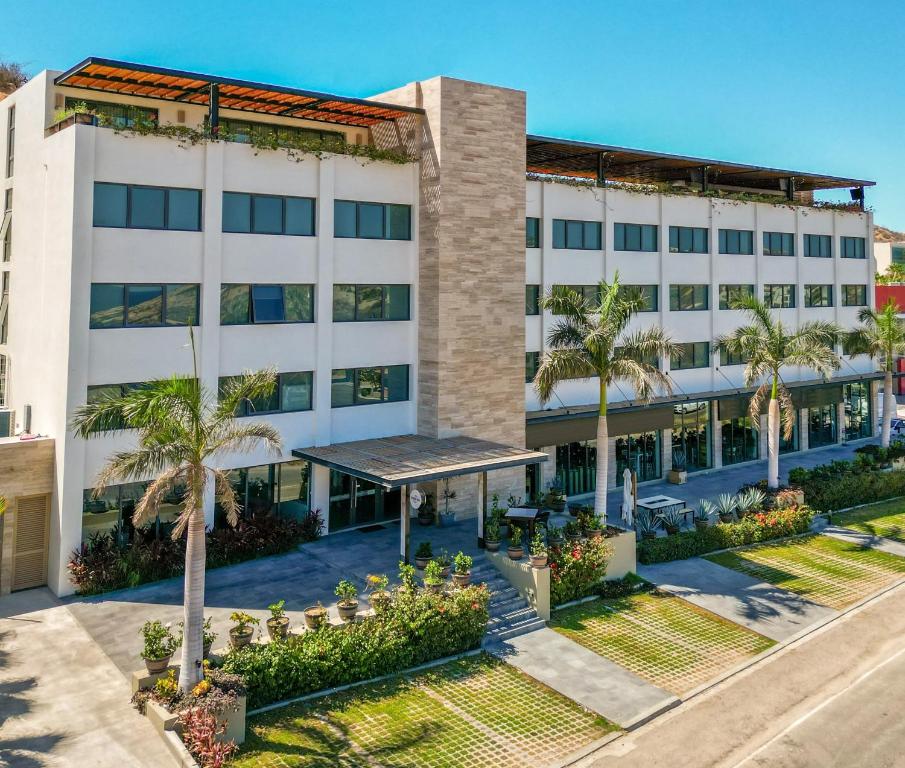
(628, 501)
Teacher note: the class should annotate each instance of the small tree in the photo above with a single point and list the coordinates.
(12, 76)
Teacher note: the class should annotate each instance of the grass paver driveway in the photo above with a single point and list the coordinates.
(886, 519)
(474, 712)
(663, 639)
(823, 569)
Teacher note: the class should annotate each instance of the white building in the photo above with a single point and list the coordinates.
(388, 284)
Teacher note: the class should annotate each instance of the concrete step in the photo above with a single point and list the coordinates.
(513, 617)
(502, 607)
(513, 630)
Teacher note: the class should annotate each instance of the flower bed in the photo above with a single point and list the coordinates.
(577, 570)
(416, 627)
(844, 484)
(761, 526)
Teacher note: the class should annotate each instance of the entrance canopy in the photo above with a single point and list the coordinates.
(409, 459)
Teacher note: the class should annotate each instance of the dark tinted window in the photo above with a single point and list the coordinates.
(110, 205)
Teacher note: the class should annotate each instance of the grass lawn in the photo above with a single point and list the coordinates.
(823, 569)
(473, 712)
(885, 519)
(665, 640)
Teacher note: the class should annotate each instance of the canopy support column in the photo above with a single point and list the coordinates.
(482, 507)
(214, 110)
(404, 523)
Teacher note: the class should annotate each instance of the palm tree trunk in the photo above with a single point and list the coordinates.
(603, 457)
(889, 400)
(191, 670)
(773, 444)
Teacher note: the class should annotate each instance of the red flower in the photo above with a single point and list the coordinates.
(474, 606)
(441, 609)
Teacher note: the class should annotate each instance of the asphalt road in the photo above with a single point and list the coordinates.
(832, 700)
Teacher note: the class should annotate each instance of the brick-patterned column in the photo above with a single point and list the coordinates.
(803, 442)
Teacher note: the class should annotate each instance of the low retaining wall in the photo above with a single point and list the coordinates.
(624, 558)
(533, 584)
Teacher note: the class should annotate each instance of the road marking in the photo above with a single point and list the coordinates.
(823, 704)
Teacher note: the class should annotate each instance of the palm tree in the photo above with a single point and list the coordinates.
(882, 337)
(589, 341)
(181, 427)
(767, 346)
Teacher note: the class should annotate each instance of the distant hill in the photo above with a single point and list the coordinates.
(884, 235)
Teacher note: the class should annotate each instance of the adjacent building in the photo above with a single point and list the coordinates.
(389, 263)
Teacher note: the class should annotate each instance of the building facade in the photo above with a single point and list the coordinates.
(389, 265)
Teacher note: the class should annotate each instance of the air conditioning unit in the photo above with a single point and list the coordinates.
(7, 422)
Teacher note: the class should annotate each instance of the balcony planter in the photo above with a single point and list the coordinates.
(315, 616)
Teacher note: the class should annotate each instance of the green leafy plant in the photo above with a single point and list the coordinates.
(276, 610)
(444, 560)
(572, 528)
(462, 563)
(407, 576)
(538, 546)
(515, 536)
(492, 530)
(750, 500)
(433, 573)
(244, 622)
(577, 570)
(208, 636)
(843, 484)
(704, 510)
(346, 591)
(424, 550)
(726, 504)
(167, 686)
(159, 640)
(554, 534)
(645, 523)
(671, 519)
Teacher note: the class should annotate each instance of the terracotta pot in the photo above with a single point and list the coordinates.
(462, 579)
(425, 518)
(445, 572)
(346, 610)
(278, 629)
(671, 530)
(538, 561)
(515, 553)
(491, 546)
(158, 665)
(206, 650)
(434, 587)
(380, 600)
(595, 533)
(421, 562)
(725, 518)
(240, 638)
(702, 525)
(574, 538)
(315, 617)
(649, 536)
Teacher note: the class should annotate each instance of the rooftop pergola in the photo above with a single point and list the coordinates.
(404, 460)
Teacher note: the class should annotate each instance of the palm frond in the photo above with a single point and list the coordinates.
(563, 301)
(226, 496)
(241, 437)
(249, 386)
(148, 505)
(644, 378)
(560, 365)
(137, 465)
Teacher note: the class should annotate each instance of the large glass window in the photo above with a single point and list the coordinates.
(779, 296)
(580, 235)
(649, 295)
(140, 207)
(532, 361)
(639, 453)
(792, 444)
(381, 221)
(737, 241)
(818, 246)
(854, 295)
(779, 244)
(532, 232)
(590, 293)
(370, 302)
(739, 440)
(10, 140)
(897, 253)
(822, 425)
(244, 132)
(532, 299)
(282, 489)
(364, 386)
(268, 214)
(635, 237)
(689, 298)
(818, 295)
(853, 248)
(355, 502)
(688, 240)
(243, 304)
(691, 435)
(691, 354)
(856, 400)
(729, 294)
(576, 467)
(118, 305)
(291, 393)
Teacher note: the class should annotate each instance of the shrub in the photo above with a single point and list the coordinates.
(627, 585)
(107, 562)
(576, 571)
(417, 627)
(761, 526)
(843, 484)
(200, 729)
(159, 640)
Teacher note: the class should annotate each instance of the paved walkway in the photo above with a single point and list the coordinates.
(761, 607)
(864, 539)
(62, 702)
(581, 675)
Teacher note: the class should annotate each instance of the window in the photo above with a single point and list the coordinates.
(532, 232)
(6, 225)
(778, 296)
(636, 237)
(821, 425)
(898, 254)
(590, 293)
(365, 386)
(244, 304)
(739, 439)
(267, 214)
(370, 302)
(818, 246)
(856, 400)
(691, 435)
(854, 295)
(649, 295)
(532, 299)
(688, 240)
(818, 295)
(737, 241)
(731, 358)
(580, 235)
(102, 392)
(729, 294)
(779, 244)
(532, 362)
(639, 453)
(245, 132)
(576, 467)
(137, 207)
(115, 115)
(10, 139)
(692, 354)
(374, 221)
(853, 248)
(651, 358)
(118, 305)
(291, 393)
(688, 298)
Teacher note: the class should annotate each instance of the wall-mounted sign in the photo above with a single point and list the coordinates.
(416, 498)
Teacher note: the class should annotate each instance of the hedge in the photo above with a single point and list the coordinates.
(576, 570)
(844, 484)
(416, 628)
(761, 526)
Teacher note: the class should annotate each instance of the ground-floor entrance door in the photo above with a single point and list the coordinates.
(355, 502)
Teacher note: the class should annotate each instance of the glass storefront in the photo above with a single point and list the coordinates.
(739, 440)
(113, 510)
(576, 467)
(821, 425)
(280, 488)
(792, 444)
(691, 435)
(640, 453)
(355, 502)
(856, 397)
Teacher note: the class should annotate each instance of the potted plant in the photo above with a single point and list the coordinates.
(462, 569)
(594, 526)
(515, 551)
(243, 632)
(423, 555)
(554, 538)
(492, 535)
(538, 551)
(433, 579)
(556, 499)
(725, 506)
(315, 616)
(379, 595)
(572, 531)
(702, 515)
(159, 644)
(278, 623)
(347, 605)
(749, 501)
(445, 562)
(646, 524)
(426, 510)
(447, 518)
(679, 472)
(671, 519)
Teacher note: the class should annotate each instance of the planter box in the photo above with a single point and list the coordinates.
(623, 560)
(142, 679)
(678, 476)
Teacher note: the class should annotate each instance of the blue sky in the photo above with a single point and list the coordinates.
(817, 86)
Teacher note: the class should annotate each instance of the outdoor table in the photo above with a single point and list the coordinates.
(659, 504)
(523, 516)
